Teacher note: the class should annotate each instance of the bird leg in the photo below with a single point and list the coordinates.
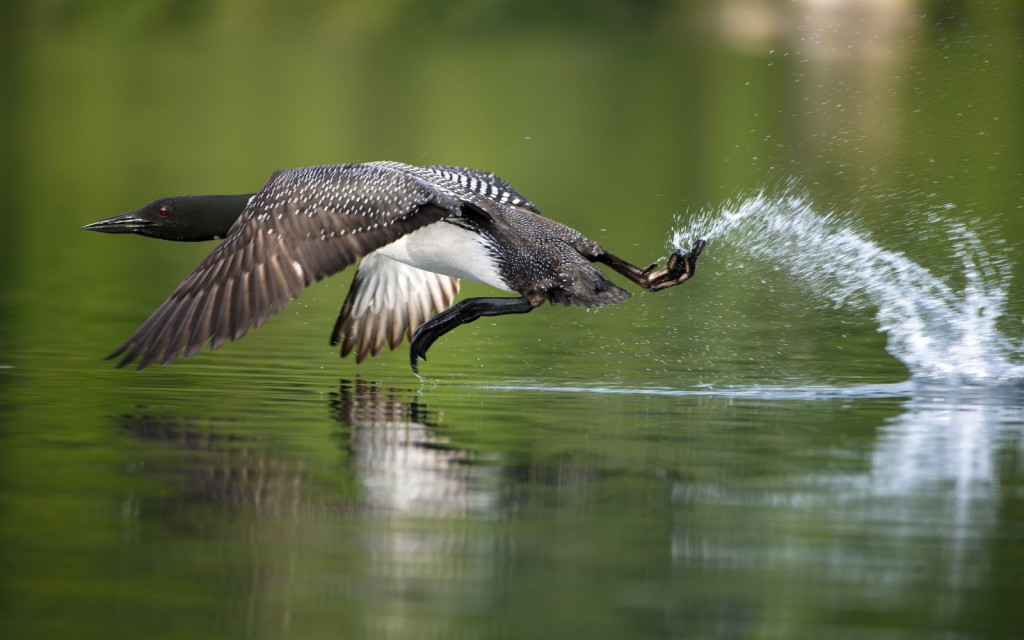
(462, 313)
(680, 268)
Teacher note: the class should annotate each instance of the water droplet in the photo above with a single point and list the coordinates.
(936, 330)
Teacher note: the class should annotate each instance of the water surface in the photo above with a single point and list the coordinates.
(818, 436)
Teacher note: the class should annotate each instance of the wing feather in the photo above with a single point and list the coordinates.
(304, 225)
(388, 300)
(201, 323)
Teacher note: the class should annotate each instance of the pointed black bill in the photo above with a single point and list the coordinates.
(130, 222)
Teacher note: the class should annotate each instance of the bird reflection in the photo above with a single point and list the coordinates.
(396, 457)
(402, 462)
(228, 468)
(397, 504)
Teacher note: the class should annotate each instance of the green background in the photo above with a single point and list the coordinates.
(687, 464)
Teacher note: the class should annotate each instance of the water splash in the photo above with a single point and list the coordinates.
(937, 331)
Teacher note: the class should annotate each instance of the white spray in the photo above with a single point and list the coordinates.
(938, 332)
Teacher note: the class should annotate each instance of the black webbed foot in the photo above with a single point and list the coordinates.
(651, 267)
(462, 313)
(680, 268)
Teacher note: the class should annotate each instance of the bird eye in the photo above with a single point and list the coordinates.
(164, 212)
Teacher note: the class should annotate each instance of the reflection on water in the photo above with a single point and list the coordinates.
(405, 474)
(922, 518)
(228, 468)
(403, 464)
(408, 470)
(394, 454)
(878, 510)
(940, 459)
(948, 434)
(936, 480)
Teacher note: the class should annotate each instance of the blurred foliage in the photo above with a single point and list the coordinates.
(354, 17)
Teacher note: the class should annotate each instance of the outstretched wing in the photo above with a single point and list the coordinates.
(387, 301)
(304, 225)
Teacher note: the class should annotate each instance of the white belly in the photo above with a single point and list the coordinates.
(447, 249)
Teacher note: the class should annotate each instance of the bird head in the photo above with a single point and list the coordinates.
(180, 218)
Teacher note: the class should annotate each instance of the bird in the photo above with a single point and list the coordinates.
(416, 232)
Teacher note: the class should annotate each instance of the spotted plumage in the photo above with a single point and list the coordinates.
(417, 229)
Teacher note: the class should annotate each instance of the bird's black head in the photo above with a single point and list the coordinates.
(181, 218)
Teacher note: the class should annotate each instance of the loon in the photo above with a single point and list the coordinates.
(417, 232)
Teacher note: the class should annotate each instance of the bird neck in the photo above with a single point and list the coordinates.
(214, 216)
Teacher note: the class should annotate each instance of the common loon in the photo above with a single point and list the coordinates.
(418, 230)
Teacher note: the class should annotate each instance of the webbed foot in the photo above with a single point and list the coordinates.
(462, 313)
(680, 268)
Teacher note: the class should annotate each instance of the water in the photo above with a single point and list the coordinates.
(938, 330)
(812, 441)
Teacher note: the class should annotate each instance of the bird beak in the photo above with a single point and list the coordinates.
(130, 222)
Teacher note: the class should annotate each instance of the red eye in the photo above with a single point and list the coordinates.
(164, 212)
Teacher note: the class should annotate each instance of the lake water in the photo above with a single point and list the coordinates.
(820, 435)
